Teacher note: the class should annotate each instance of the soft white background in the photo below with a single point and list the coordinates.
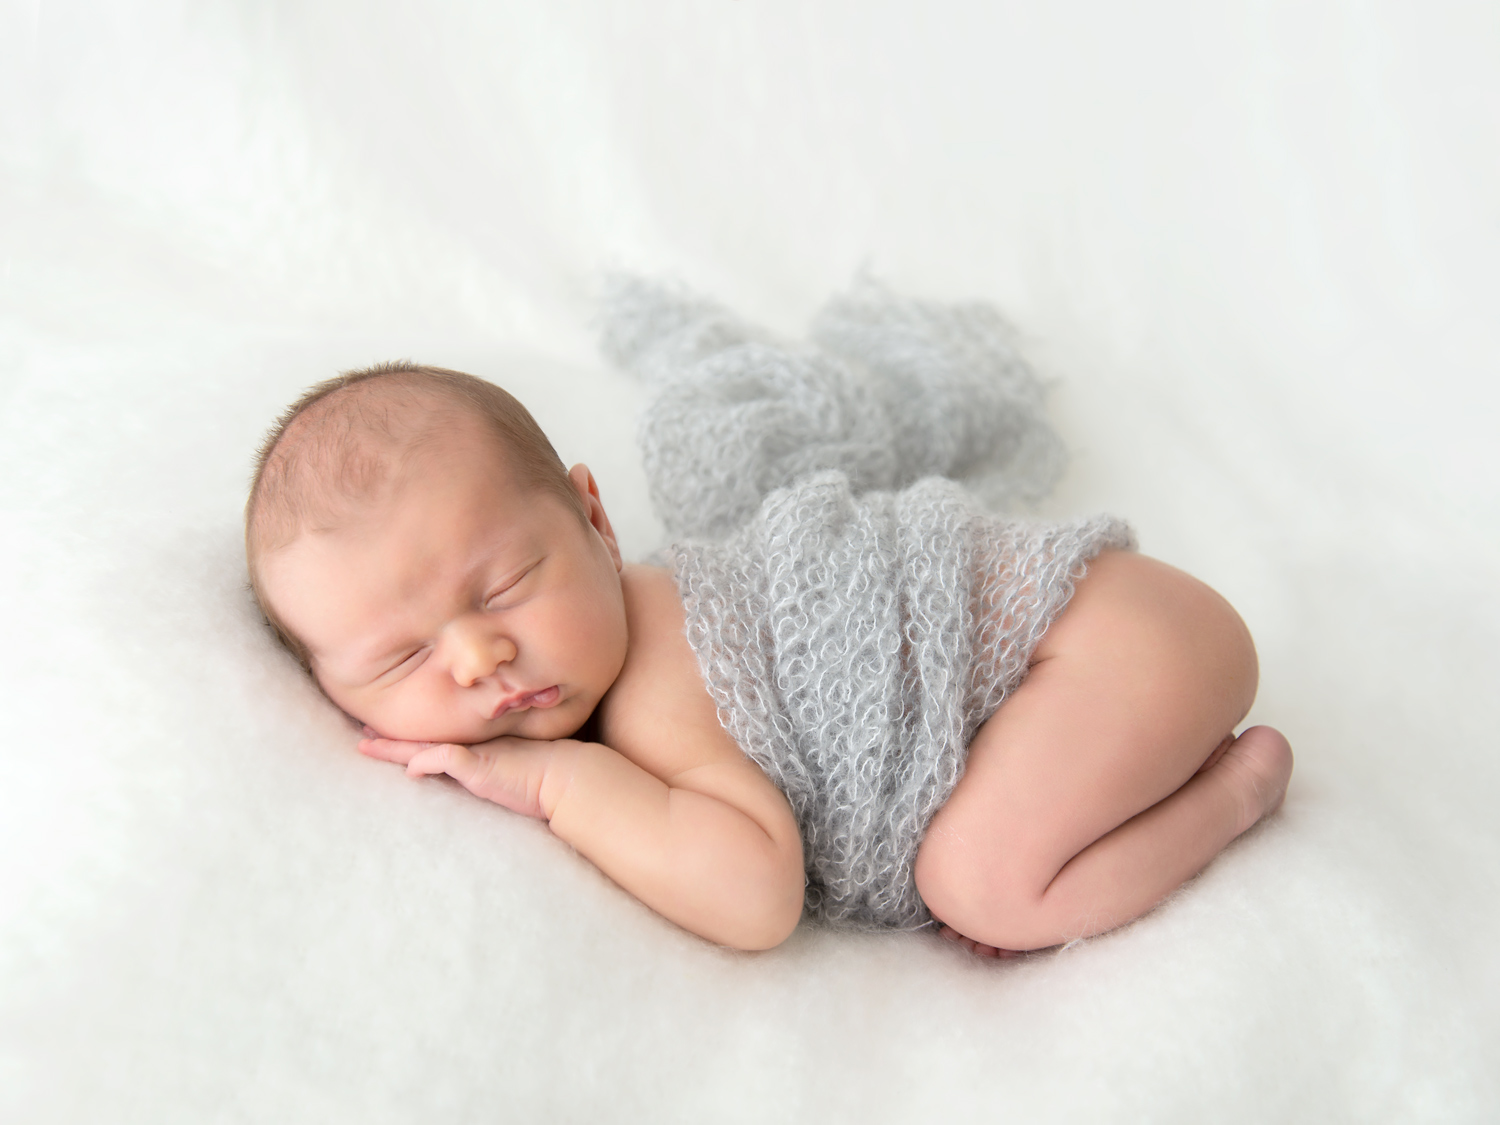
(1257, 245)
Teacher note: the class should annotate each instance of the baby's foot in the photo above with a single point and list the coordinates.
(980, 948)
(1257, 765)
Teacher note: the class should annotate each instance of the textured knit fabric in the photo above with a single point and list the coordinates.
(893, 390)
(853, 636)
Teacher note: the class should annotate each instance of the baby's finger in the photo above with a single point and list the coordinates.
(441, 757)
(485, 773)
(474, 771)
(390, 749)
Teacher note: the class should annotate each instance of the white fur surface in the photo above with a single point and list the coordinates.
(1256, 244)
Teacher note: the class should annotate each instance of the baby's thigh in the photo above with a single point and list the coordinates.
(1160, 655)
(1132, 688)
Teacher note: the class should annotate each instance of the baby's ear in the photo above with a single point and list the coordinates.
(588, 491)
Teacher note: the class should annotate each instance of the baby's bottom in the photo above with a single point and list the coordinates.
(1096, 789)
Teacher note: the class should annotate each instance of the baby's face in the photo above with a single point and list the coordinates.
(461, 607)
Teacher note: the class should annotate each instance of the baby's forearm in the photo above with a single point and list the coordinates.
(716, 850)
(693, 857)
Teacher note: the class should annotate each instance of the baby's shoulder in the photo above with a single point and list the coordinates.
(658, 713)
(651, 594)
(658, 652)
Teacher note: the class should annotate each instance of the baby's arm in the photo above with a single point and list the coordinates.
(670, 809)
(709, 849)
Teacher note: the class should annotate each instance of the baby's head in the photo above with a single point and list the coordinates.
(414, 539)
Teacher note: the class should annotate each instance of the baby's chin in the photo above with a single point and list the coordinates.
(536, 725)
(545, 726)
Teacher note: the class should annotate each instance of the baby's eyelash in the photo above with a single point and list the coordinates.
(411, 660)
(489, 602)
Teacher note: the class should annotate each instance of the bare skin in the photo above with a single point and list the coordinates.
(1097, 790)
(664, 803)
(1107, 779)
(476, 625)
(491, 619)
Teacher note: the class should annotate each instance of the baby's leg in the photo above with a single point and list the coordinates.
(1090, 795)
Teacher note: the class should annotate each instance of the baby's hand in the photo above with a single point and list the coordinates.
(508, 771)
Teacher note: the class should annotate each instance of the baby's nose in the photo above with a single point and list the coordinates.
(477, 651)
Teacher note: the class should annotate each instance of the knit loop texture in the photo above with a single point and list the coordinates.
(856, 613)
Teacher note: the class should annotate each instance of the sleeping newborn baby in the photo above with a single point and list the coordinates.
(854, 691)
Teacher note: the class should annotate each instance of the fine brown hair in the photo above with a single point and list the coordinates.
(343, 438)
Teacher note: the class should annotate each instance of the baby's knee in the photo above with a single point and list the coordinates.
(990, 900)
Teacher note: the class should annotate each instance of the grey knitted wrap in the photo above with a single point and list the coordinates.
(856, 616)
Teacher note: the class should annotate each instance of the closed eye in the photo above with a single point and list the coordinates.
(512, 592)
(407, 664)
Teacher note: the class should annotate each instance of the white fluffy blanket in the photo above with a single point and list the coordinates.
(1253, 244)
